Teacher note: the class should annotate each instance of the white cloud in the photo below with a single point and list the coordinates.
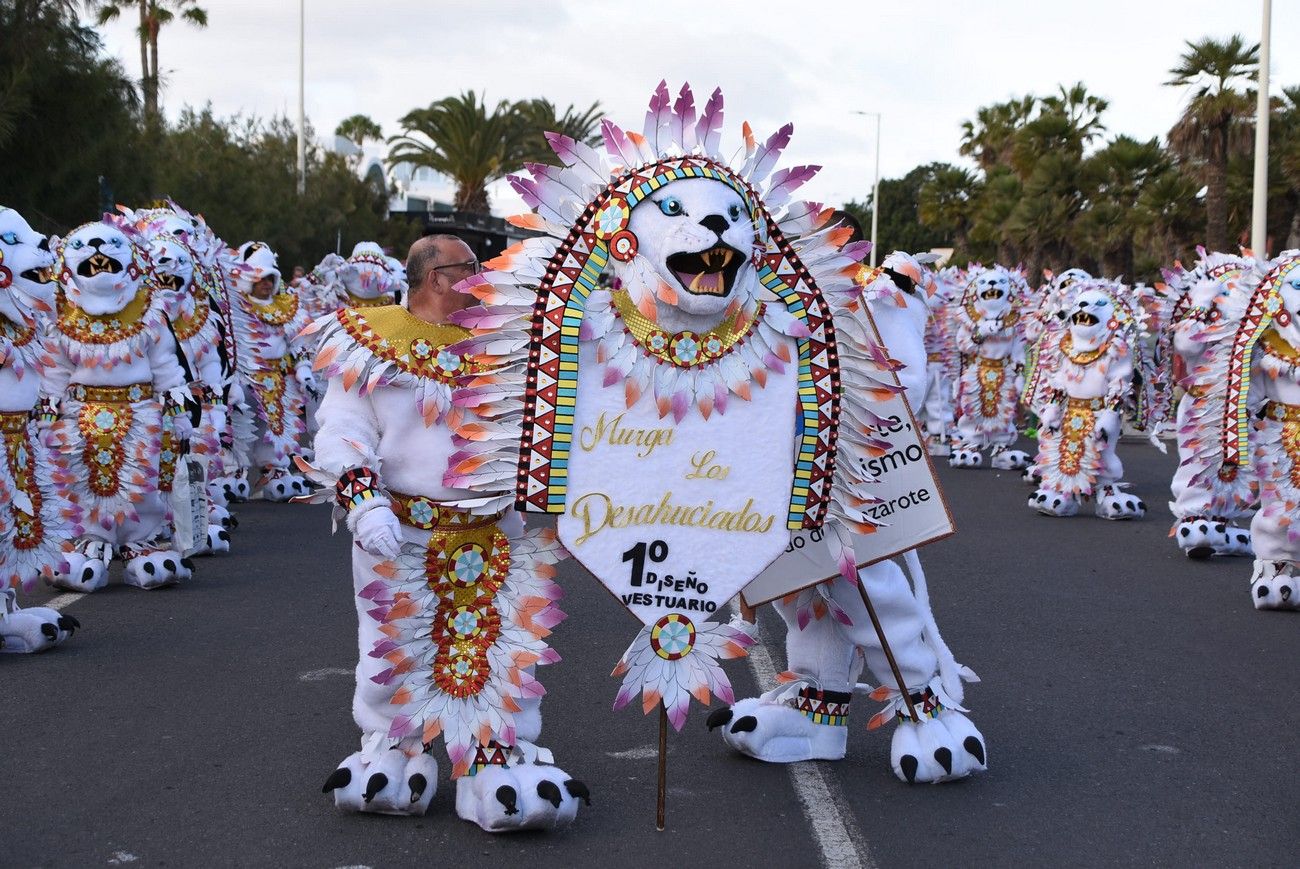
(925, 65)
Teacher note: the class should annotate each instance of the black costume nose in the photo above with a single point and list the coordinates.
(95, 242)
(44, 243)
(716, 222)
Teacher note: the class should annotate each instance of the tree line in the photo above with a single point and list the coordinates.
(1049, 190)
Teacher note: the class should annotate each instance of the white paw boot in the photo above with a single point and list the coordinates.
(1051, 503)
(1274, 586)
(1200, 537)
(152, 565)
(965, 457)
(1237, 542)
(87, 567)
(384, 780)
(787, 726)
(36, 629)
(1009, 460)
(1114, 503)
(512, 789)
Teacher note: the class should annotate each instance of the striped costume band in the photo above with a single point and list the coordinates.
(493, 754)
(14, 421)
(824, 707)
(927, 706)
(128, 394)
(355, 487)
(429, 515)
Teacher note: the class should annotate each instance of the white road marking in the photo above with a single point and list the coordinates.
(63, 600)
(120, 857)
(322, 674)
(643, 753)
(841, 843)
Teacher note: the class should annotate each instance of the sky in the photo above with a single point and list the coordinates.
(924, 65)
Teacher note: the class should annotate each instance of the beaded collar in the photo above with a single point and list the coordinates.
(685, 349)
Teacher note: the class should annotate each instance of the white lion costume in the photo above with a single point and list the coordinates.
(366, 278)
(33, 520)
(1261, 422)
(936, 412)
(111, 373)
(673, 296)
(991, 356)
(453, 608)
(274, 366)
(1097, 376)
(1209, 497)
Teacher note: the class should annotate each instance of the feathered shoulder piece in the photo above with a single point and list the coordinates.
(545, 295)
(390, 346)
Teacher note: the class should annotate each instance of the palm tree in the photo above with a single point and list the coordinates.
(475, 145)
(154, 15)
(357, 129)
(1115, 178)
(946, 201)
(989, 137)
(1216, 123)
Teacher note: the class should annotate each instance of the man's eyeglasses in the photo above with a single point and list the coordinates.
(472, 265)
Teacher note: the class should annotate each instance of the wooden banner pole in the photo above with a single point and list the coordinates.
(663, 768)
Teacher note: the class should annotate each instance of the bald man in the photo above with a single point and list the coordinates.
(452, 607)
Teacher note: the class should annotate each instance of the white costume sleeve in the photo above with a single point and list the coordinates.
(349, 431)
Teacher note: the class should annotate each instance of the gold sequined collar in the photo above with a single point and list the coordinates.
(361, 302)
(1083, 357)
(104, 328)
(1278, 347)
(282, 308)
(684, 349)
(18, 334)
(396, 335)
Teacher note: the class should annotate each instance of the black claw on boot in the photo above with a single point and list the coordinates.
(1286, 592)
(578, 790)
(944, 756)
(718, 717)
(50, 631)
(1262, 591)
(187, 564)
(507, 797)
(68, 623)
(909, 765)
(377, 783)
(340, 778)
(170, 565)
(745, 724)
(149, 568)
(87, 574)
(223, 536)
(549, 791)
(417, 784)
(975, 748)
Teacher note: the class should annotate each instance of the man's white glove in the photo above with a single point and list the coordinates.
(379, 533)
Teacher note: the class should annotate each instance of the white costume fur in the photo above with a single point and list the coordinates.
(827, 655)
(397, 424)
(992, 354)
(33, 517)
(106, 274)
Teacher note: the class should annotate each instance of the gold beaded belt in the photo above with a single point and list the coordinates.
(1086, 403)
(14, 421)
(934, 357)
(429, 515)
(1281, 412)
(128, 394)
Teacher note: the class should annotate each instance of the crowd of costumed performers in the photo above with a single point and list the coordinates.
(692, 372)
(150, 377)
(1209, 356)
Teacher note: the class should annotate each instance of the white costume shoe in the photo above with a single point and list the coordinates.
(1274, 586)
(519, 790)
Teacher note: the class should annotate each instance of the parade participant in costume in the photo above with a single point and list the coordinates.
(33, 520)
(935, 413)
(398, 270)
(1043, 324)
(320, 291)
(111, 373)
(1087, 393)
(724, 305)
(1208, 496)
(366, 278)
(227, 469)
(274, 366)
(1263, 378)
(806, 717)
(195, 327)
(453, 608)
(991, 358)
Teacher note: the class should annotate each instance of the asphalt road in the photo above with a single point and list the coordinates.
(1138, 711)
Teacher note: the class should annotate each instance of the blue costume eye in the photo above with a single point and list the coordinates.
(734, 212)
(9, 238)
(77, 244)
(671, 206)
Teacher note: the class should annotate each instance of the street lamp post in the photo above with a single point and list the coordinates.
(302, 115)
(1259, 204)
(875, 189)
